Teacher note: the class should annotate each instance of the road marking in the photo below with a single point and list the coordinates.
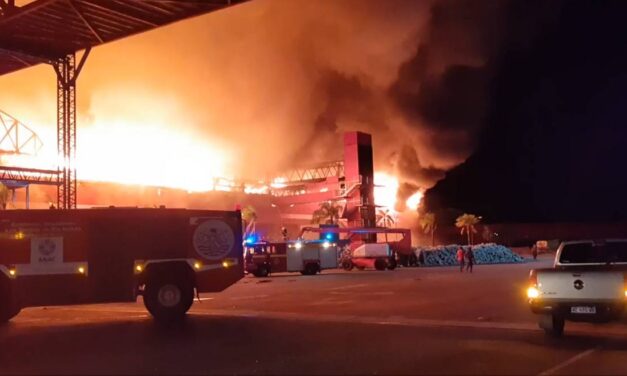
(566, 363)
(349, 287)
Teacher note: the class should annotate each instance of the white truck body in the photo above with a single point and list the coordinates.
(371, 250)
(586, 283)
(326, 257)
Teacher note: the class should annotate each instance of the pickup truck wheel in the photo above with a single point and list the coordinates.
(553, 325)
(168, 297)
(8, 306)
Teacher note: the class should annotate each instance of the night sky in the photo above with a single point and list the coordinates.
(554, 144)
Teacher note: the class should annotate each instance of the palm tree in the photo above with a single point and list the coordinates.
(328, 213)
(4, 196)
(427, 222)
(467, 222)
(384, 218)
(249, 217)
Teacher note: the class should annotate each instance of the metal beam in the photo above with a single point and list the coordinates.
(121, 14)
(28, 175)
(82, 17)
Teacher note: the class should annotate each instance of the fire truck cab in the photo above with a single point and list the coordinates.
(84, 256)
(308, 258)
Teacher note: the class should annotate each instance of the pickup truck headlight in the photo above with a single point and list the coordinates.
(533, 292)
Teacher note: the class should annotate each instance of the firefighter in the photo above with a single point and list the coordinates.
(284, 233)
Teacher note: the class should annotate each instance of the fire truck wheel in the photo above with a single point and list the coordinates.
(168, 297)
(310, 269)
(262, 271)
(380, 264)
(8, 306)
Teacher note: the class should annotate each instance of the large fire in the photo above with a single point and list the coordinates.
(386, 193)
(385, 190)
(130, 153)
(413, 201)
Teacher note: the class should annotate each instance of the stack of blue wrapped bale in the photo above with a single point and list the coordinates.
(488, 253)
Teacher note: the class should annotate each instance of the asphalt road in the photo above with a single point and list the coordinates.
(408, 321)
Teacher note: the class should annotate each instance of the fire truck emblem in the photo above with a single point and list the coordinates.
(47, 247)
(45, 251)
(213, 239)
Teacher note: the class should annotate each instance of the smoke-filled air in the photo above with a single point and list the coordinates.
(246, 92)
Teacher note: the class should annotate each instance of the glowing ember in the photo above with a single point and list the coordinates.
(386, 187)
(256, 189)
(414, 200)
(279, 183)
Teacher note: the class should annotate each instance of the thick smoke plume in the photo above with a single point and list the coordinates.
(275, 82)
(414, 74)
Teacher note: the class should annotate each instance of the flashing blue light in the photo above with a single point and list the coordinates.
(251, 239)
(329, 236)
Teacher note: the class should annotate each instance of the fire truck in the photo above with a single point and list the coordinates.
(308, 258)
(368, 247)
(84, 256)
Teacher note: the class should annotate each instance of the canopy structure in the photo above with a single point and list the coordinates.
(53, 31)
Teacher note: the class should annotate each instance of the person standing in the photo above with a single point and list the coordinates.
(534, 251)
(470, 258)
(460, 258)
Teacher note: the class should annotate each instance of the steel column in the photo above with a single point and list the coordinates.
(67, 74)
(66, 131)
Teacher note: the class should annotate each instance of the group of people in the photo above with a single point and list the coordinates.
(465, 257)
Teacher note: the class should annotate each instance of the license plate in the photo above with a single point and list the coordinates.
(584, 310)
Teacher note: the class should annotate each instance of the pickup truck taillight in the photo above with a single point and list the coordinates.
(533, 278)
(532, 290)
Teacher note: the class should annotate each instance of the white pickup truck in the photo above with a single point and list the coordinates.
(588, 282)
